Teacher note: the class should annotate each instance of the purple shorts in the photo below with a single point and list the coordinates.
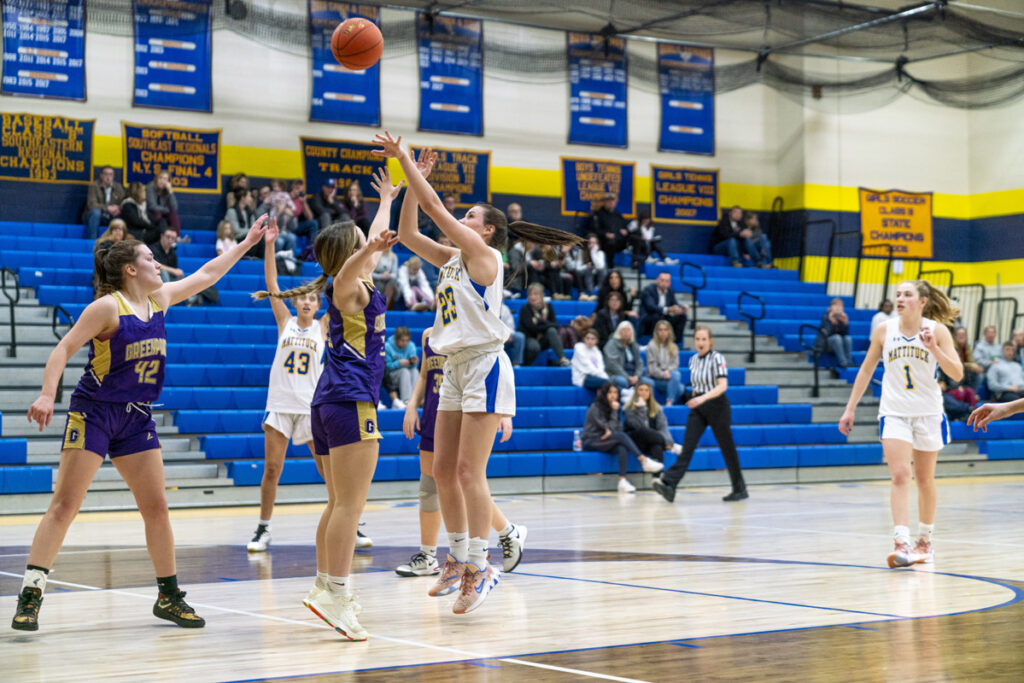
(341, 424)
(109, 428)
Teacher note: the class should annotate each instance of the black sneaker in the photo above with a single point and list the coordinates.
(736, 495)
(27, 616)
(177, 610)
(667, 492)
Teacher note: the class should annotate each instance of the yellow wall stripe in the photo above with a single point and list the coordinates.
(1008, 272)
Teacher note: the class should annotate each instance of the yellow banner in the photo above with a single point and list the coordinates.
(900, 219)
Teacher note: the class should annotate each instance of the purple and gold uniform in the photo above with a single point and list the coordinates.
(344, 409)
(110, 410)
(434, 364)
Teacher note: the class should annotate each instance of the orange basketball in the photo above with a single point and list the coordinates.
(357, 43)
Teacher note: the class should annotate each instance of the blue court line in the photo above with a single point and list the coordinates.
(480, 663)
(862, 628)
(682, 644)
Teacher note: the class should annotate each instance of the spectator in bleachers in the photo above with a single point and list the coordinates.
(974, 374)
(663, 362)
(622, 357)
(103, 202)
(514, 212)
(588, 364)
(835, 330)
(115, 232)
(515, 267)
(580, 267)
(1006, 378)
(608, 318)
(544, 266)
(225, 238)
(241, 215)
(537, 321)
(602, 431)
(613, 282)
(764, 246)
(238, 181)
(355, 206)
(1018, 345)
(412, 283)
(136, 218)
(730, 235)
(161, 202)
(402, 366)
(987, 350)
(326, 205)
(515, 345)
(647, 425)
(385, 276)
(658, 302)
(610, 227)
(885, 314)
(644, 242)
(166, 254)
(306, 223)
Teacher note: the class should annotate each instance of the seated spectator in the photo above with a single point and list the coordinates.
(306, 223)
(537, 321)
(974, 374)
(1006, 378)
(261, 196)
(647, 425)
(136, 218)
(103, 202)
(588, 364)
(402, 367)
(622, 357)
(385, 276)
(759, 239)
(241, 215)
(607, 320)
(579, 266)
(644, 242)
(544, 266)
(610, 227)
(239, 181)
(115, 232)
(835, 330)
(412, 283)
(225, 238)
(356, 207)
(663, 362)
(987, 350)
(514, 212)
(730, 235)
(1018, 345)
(161, 202)
(658, 302)
(165, 253)
(885, 314)
(613, 282)
(957, 400)
(602, 431)
(326, 206)
(515, 269)
(515, 345)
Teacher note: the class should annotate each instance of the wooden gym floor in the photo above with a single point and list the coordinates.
(789, 585)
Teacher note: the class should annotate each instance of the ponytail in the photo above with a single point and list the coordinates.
(938, 307)
(109, 261)
(316, 285)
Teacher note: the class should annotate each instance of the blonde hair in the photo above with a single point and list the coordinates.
(224, 230)
(705, 328)
(939, 308)
(652, 404)
(333, 247)
(670, 345)
(116, 224)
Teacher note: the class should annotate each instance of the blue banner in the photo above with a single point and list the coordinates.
(342, 161)
(686, 79)
(340, 95)
(44, 48)
(464, 173)
(585, 182)
(46, 149)
(684, 195)
(451, 74)
(190, 156)
(597, 90)
(173, 54)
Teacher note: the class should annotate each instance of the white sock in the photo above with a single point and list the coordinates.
(429, 550)
(265, 522)
(458, 545)
(34, 578)
(507, 530)
(901, 533)
(339, 585)
(321, 580)
(925, 530)
(478, 551)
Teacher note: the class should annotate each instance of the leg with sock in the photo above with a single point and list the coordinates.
(924, 475)
(898, 455)
(30, 599)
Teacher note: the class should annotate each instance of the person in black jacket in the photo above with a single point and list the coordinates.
(327, 208)
(658, 302)
(133, 212)
(607, 320)
(613, 282)
(835, 329)
(610, 227)
(602, 431)
(537, 321)
(729, 234)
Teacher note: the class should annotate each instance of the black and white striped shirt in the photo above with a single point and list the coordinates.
(705, 371)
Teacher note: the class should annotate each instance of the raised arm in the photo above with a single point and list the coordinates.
(860, 385)
(350, 294)
(408, 231)
(388, 193)
(281, 314)
(175, 292)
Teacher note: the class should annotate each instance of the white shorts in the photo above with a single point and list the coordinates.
(481, 384)
(296, 426)
(927, 433)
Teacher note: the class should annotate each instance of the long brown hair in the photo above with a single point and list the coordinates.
(109, 260)
(531, 232)
(652, 405)
(333, 246)
(938, 307)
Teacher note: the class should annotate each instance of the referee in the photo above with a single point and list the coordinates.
(709, 406)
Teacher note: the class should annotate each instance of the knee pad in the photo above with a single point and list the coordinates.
(429, 501)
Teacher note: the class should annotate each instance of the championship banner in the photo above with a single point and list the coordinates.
(686, 79)
(684, 195)
(44, 48)
(464, 173)
(173, 54)
(46, 149)
(901, 219)
(451, 74)
(586, 181)
(340, 95)
(341, 160)
(597, 89)
(190, 156)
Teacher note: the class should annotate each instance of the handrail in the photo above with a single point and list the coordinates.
(815, 353)
(888, 269)
(12, 350)
(693, 288)
(803, 241)
(751, 320)
(53, 328)
(995, 299)
(957, 292)
(831, 255)
(921, 276)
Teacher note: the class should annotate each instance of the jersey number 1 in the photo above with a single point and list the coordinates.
(447, 301)
(910, 383)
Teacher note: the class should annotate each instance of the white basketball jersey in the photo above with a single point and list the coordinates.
(909, 385)
(468, 314)
(296, 369)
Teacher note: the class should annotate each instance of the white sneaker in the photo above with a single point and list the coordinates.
(362, 540)
(512, 547)
(420, 564)
(477, 583)
(260, 540)
(651, 465)
(339, 613)
(677, 448)
(671, 262)
(316, 590)
(397, 404)
(625, 486)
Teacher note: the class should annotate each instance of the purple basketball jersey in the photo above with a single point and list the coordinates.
(434, 363)
(354, 368)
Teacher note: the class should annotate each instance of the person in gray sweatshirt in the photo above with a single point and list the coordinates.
(987, 350)
(1006, 378)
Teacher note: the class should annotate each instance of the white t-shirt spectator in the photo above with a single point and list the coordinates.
(406, 283)
(225, 244)
(880, 318)
(586, 362)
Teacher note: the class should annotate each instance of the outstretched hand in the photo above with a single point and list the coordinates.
(389, 146)
(272, 232)
(256, 232)
(382, 242)
(426, 161)
(988, 412)
(381, 182)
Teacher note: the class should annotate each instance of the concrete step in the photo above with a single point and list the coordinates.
(18, 426)
(789, 377)
(802, 394)
(37, 355)
(116, 484)
(36, 333)
(32, 375)
(53, 458)
(861, 433)
(46, 446)
(32, 313)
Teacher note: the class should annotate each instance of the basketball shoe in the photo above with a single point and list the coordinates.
(362, 540)
(477, 583)
(260, 540)
(922, 553)
(512, 547)
(315, 591)
(174, 608)
(901, 555)
(448, 582)
(339, 611)
(420, 564)
(26, 618)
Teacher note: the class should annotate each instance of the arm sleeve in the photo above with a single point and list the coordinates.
(613, 359)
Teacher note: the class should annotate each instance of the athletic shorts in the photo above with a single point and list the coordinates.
(427, 443)
(479, 384)
(341, 424)
(927, 433)
(296, 426)
(109, 428)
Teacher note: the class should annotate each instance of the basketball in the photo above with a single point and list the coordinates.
(357, 43)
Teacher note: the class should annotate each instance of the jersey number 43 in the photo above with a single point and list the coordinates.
(297, 365)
